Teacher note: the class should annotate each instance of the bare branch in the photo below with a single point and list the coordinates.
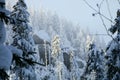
(101, 3)
(98, 12)
(101, 17)
(106, 28)
(109, 9)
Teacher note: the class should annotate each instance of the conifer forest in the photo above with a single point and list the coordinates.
(39, 44)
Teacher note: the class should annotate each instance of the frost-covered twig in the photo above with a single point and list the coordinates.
(108, 7)
(98, 12)
(106, 26)
(101, 17)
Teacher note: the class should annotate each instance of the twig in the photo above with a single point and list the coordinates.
(106, 28)
(109, 9)
(98, 12)
(101, 15)
(101, 3)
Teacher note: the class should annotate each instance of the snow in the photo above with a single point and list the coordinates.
(2, 32)
(5, 11)
(22, 39)
(43, 35)
(16, 51)
(59, 71)
(5, 57)
(26, 72)
(112, 45)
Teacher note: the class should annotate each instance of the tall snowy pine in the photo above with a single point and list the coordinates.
(5, 53)
(94, 64)
(57, 57)
(113, 53)
(22, 39)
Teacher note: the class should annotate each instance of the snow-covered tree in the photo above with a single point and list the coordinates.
(57, 57)
(5, 53)
(22, 39)
(113, 53)
(94, 64)
(56, 50)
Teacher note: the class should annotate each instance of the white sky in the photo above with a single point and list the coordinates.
(78, 12)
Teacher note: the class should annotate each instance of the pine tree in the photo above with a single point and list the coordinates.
(56, 50)
(5, 53)
(57, 56)
(94, 64)
(113, 53)
(22, 39)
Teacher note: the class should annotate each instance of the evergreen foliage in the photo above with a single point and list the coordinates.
(94, 64)
(113, 52)
(22, 39)
(68, 52)
(5, 53)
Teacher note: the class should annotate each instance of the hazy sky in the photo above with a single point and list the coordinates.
(78, 12)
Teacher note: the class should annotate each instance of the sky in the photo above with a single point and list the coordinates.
(79, 13)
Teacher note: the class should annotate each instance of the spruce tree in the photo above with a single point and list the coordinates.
(5, 53)
(113, 53)
(57, 58)
(94, 64)
(22, 39)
